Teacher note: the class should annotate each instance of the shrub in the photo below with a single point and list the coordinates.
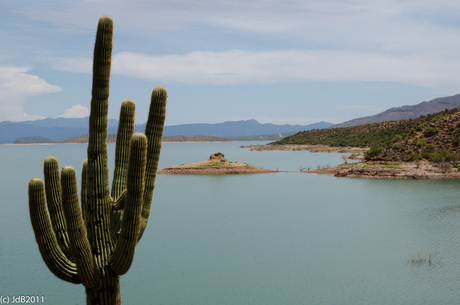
(456, 142)
(420, 143)
(397, 138)
(373, 152)
(430, 131)
(415, 157)
(456, 165)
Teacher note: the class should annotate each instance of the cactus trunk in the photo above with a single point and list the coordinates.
(93, 244)
(108, 293)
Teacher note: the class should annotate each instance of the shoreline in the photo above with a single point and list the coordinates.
(370, 169)
(421, 170)
(358, 152)
(364, 169)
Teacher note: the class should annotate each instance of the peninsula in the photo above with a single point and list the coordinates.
(215, 165)
(427, 147)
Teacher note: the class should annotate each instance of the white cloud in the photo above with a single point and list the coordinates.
(241, 67)
(238, 66)
(16, 86)
(76, 111)
(360, 24)
(412, 42)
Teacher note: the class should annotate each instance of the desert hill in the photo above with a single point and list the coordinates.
(434, 137)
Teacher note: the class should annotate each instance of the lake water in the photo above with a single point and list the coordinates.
(278, 238)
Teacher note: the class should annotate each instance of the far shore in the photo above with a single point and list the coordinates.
(358, 151)
(360, 169)
(371, 169)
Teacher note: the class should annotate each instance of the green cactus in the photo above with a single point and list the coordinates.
(94, 244)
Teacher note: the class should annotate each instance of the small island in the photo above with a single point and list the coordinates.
(215, 165)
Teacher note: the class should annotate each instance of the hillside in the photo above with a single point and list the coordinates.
(433, 137)
(407, 112)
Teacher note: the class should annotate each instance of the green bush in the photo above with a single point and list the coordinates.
(397, 138)
(373, 152)
(415, 157)
(456, 142)
(420, 143)
(456, 165)
(430, 131)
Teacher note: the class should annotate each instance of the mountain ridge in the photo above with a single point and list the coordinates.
(62, 129)
(407, 111)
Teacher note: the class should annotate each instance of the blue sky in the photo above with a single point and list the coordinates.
(289, 61)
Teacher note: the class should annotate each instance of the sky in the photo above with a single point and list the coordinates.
(276, 61)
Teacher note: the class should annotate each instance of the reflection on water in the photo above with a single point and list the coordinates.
(282, 238)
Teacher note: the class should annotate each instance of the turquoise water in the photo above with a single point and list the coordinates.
(280, 238)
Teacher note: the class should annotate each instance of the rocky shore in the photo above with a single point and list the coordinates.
(389, 170)
(215, 165)
(371, 169)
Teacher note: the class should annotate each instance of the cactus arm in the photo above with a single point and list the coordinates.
(98, 194)
(79, 244)
(124, 134)
(53, 200)
(123, 254)
(154, 132)
(50, 251)
(119, 203)
(84, 206)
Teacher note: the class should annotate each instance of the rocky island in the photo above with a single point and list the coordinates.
(217, 164)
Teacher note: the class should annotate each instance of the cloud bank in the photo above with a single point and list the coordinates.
(411, 46)
(76, 111)
(241, 67)
(16, 86)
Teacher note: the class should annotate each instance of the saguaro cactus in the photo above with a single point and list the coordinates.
(93, 244)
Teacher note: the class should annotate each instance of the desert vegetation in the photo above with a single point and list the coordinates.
(434, 137)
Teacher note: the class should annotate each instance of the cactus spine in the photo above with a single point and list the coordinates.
(93, 244)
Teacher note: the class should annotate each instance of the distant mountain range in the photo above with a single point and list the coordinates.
(61, 129)
(53, 129)
(238, 128)
(407, 112)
